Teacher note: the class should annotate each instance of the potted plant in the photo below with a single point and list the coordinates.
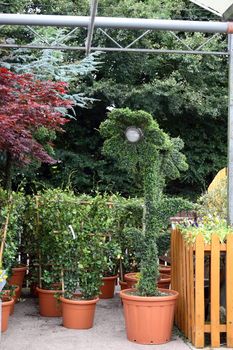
(112, 253)
(137, 142)
(127, 228)
(11, 292)
(12, 210)
(51, 232)
(83, 261)
(6, 300)
(48, 292)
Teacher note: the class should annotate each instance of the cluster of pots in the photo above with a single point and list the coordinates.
(144, 321)
(79, 314)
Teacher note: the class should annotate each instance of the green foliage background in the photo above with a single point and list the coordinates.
(186, 94)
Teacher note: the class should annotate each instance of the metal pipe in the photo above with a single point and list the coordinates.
(114, 49)
(230, 133)
(116, 22)
(91, 25)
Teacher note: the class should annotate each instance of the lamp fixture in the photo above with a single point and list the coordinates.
(133, 134)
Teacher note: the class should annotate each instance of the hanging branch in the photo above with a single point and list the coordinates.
(4, 234)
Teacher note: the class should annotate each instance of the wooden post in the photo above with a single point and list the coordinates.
(199, 293)
(37, 233)
(215, 291)
(62, 282)
(191, 283)
(4, 234)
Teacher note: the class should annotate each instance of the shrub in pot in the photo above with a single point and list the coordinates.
(127, 232)
(51, 232)
(155, 155)
(7, 301)
(12, 211)
(112, 253)
(48, 292)
(83, 261)
(10, 292)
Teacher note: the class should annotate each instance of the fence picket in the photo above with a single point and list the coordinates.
(199, 293)
(191, 283)
(215, 291)
(229, 294)
(188, 286)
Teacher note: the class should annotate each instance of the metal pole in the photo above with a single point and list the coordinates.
(230, 132)
(91, 25)
(115, 22)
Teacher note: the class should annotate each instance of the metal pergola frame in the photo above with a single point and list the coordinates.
(93, 22)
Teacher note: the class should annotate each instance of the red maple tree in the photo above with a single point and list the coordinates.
(26, 105)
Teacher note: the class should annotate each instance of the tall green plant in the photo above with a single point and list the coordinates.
(157, 157)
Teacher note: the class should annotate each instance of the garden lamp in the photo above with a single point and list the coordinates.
(133, 134)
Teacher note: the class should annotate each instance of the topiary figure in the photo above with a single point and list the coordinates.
(155, 156)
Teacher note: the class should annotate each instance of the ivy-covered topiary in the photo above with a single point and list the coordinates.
(156, 157)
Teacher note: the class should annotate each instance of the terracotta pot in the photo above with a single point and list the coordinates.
(123, 285)
(164, 281)
(6, 309)
(149, 320)
(131, 279)
(78, 314)
(14, 297)
(17, 278)
(165, 269)
(49, 305)
(108, 288)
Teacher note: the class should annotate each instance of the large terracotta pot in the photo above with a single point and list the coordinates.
(6, 309)
(7, 293)
(149, 320)
(49, 305)
(17, 278)
(108, 288)
(165, 269)
(78, 314)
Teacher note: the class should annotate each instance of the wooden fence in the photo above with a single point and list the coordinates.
(201, 273)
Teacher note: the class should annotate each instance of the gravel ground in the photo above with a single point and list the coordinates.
(29, 331)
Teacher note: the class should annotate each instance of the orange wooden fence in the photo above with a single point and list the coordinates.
(196, 276)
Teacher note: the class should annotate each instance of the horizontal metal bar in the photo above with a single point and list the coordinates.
(109, 49)
(115, 22)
